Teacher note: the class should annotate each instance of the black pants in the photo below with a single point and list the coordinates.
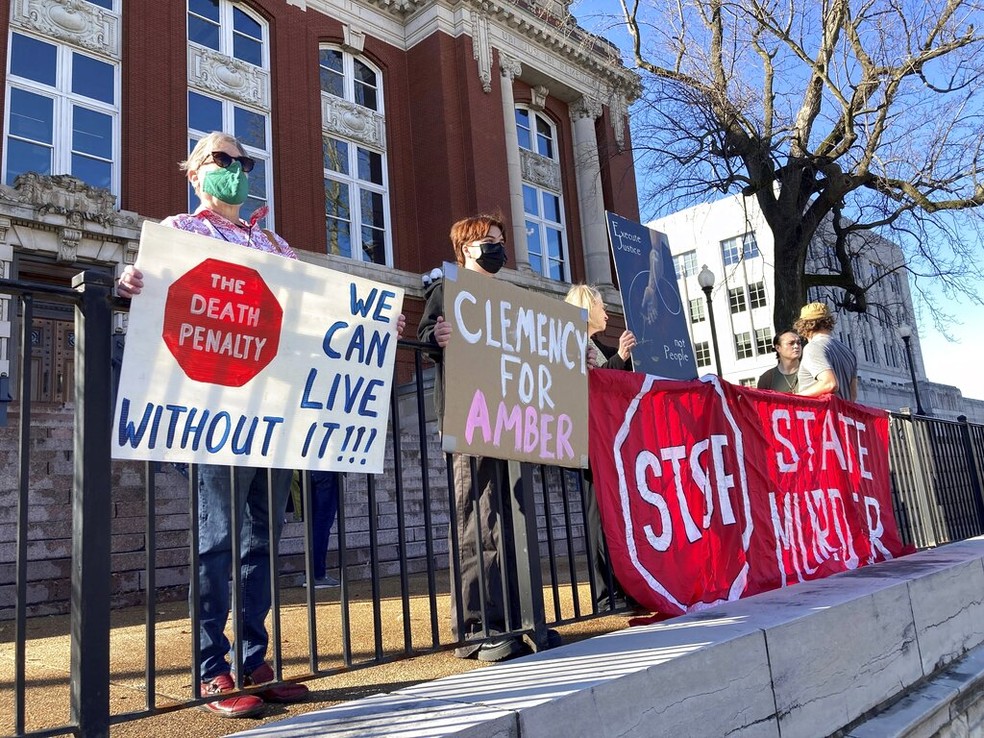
(486, 544)
(606, 587)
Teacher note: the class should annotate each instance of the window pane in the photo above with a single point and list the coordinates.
(336, 155)
(26, 157)
(246, 25)
(202, 32)
(205, 8)
(108, 4)
(531, 204)
(332, 80)
(373, 246)
(31, 116)
(551, 207)
(33, 59)
(536, 263)
(251, 204)
(544, 138)
(364, 74)
(92, 171)
(556, 270)
(554, 243)
(371, 208)
(247, 49)
(92, 132)
(533, 240)
(365, 96)
(92, 78)
(336, 199)
(339, 239)
(250, 128)
(370, 166)
(523, 129)
(258, 180)
(204, 113)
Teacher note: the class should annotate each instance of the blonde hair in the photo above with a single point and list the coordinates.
(206, 145)
(583, 295)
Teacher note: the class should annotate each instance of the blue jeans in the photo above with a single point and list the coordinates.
(215, 560)
(324, 508)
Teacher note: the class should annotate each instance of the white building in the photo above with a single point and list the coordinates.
(731, 237)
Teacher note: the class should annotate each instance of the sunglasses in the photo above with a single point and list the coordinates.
(222, 159)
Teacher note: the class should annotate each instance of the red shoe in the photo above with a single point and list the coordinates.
(283, 692)
(236, 706)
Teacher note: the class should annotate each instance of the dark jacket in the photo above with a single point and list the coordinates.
(433, 309)
(613, 360)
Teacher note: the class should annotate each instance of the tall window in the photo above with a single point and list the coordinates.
(763, 341)
(756, 295)
(735, 249)
(63, 110)
(702, 353)
(697, 311)
(743, 345)
(227, 35)
(736, 299)
(357, 221)
(543, 203)
(685, 264)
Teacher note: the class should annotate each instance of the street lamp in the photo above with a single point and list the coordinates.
(905, 333)
(706, 281)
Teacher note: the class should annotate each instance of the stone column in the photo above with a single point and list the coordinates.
(510, 69)
(594, 232)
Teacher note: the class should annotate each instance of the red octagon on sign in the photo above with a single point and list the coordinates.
(222, 323)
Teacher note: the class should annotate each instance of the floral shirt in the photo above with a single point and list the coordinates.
(207, 223)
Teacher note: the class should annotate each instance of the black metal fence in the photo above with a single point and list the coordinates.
(403, 569)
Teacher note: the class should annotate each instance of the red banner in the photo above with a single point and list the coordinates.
(711, 492)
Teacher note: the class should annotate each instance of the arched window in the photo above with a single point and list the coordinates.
(229, 88)
(543, 203)
(63, 96)
(357, 220)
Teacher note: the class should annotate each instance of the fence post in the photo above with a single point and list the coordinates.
(91, 507)
(527, 544)
(973, 470)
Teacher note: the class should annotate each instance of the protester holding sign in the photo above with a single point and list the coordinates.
(609, 594)
(218, 170)
(479, 246)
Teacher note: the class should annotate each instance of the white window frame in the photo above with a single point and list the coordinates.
(538, 219)
(351, 180)
(227, 31)
(63, 101)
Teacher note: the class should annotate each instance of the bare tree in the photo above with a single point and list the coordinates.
(865, 114)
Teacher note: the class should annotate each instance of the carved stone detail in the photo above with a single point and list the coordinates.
(4, 228)
(68, 244)
(586, 107)
(62, 194)
(214, 72)
(539, 99)
(354, 39)
(509, 66)
(482, 49)
(73, 21)
(539, 170)
(352, 121)
(618, 109)
(130, 249)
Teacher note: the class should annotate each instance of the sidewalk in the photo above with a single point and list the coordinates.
(48, 657)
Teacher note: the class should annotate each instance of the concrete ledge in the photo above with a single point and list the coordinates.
(807, 660)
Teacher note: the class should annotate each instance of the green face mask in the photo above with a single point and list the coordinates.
(230, 185)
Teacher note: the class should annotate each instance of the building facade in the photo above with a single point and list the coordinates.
(374, 124)
(730, 236)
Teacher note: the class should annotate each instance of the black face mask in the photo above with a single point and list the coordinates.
(492, 258)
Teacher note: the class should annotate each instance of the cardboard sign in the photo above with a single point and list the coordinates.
(238, 357)
(654, 311)
(515, 374)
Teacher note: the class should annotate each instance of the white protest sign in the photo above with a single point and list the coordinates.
(238, 357)
(515, 373)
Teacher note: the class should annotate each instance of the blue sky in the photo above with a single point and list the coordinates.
(959, 361)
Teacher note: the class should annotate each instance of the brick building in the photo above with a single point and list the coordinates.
(374, 123)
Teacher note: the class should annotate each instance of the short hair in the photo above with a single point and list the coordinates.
(206, 145)
(474, 228)
(583, 295)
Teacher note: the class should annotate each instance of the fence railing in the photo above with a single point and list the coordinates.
(391, 543)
